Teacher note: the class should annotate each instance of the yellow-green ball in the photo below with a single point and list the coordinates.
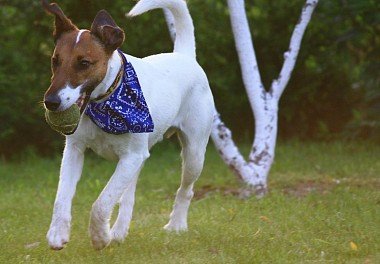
(64, 121)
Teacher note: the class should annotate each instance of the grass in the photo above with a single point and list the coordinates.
(323, 206)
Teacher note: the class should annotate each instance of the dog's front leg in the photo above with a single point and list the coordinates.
(127, 168)
(71, 170)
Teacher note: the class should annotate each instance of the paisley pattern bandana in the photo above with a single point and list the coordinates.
(125, 110)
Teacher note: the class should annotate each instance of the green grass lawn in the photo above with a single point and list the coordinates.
(323, 206)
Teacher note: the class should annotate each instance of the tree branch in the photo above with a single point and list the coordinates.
(290, 56)
(246, 53)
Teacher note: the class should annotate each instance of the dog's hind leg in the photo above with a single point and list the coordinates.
(120, 228)
(193, 152)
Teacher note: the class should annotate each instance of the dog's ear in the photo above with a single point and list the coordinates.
(105, 28)
(62, 23)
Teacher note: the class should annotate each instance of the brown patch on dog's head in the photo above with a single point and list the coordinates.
(79, 62)
(80, 58)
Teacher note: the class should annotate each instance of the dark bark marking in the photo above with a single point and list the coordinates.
(260, 156)
(236, 171)
(222, 131)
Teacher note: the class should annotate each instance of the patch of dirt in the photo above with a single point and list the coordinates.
(360, 183)
(302, 189)
(207, 190)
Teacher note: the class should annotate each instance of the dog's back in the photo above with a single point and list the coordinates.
(176, 83)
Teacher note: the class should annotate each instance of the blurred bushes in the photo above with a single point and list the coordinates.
(334, 90)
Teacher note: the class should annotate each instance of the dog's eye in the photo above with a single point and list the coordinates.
(84, 63)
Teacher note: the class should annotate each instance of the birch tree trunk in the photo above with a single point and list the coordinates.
(264, 103)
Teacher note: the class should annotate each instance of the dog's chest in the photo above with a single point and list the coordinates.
(105, 145)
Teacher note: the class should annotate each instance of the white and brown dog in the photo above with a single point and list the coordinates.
(176, 90)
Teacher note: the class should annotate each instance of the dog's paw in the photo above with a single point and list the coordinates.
(100, 233)
(118, 235)
(176, 226)
(58, 235)
(100, 242)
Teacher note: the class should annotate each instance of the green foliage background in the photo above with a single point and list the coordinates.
(334, 91)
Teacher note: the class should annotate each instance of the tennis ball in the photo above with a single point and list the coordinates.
(63, 121)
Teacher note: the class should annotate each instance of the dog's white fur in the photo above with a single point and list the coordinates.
(68, 95)
(177, 92)
(79, 35)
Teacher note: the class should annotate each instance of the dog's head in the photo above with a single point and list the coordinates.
(80, 59)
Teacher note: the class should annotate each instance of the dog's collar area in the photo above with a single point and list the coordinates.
(125, 109)
(115, 83)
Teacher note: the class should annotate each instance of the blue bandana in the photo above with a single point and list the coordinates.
(125, 110)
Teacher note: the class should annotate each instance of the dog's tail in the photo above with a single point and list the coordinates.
(184, 40)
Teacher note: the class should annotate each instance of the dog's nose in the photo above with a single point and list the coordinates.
(52, 102)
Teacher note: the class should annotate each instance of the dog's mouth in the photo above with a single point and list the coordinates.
(80, 100)
(83, 100)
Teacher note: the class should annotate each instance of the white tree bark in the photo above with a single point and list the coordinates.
(264, 104)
